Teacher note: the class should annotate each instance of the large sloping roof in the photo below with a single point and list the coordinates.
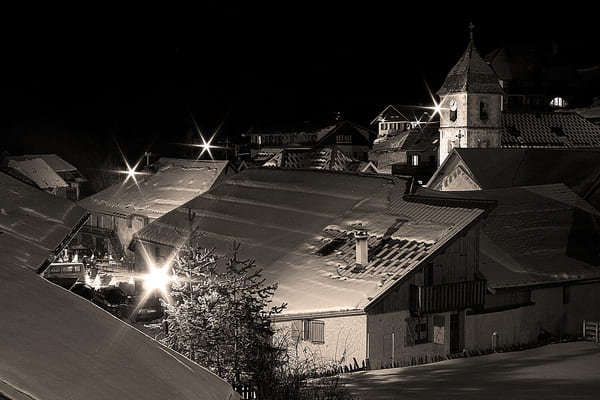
(579, 169)
(284, 219)
(536, 235)
(33, 223)
(471, 73)
(55, 345)
(36, 171)
(548, 130)
(57, 163)
(175, 182)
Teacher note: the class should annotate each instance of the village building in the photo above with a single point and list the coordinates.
(472, 114)
(477, 169)
(346, 251)
(517, 96)
(351, 139)
(410, 153)
(119, 211)
(48, 172)
(329, 158)
(535, 77)
(539, 252)
(406, 142)
(56, 344)
(375, 271)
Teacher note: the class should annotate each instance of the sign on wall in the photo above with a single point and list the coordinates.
(439, 329)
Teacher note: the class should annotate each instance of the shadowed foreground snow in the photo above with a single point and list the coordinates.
(557, 371)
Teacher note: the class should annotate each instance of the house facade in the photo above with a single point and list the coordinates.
(353, 140)
(123, 209)
(538, 252)
(359, 268)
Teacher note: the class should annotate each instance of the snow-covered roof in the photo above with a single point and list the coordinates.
(38, 172)
(33, 223)
(55, 345)
(57, 163)
(535, 235)
(282, 218)
(548, 130)
(175, 182)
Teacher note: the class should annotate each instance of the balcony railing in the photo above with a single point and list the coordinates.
(448, 297)
(96, 230)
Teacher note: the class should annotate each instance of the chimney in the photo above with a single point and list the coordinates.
(362, 248)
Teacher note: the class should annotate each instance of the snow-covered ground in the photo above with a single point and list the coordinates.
(557, 371)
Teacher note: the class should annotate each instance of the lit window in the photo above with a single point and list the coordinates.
(415, 160)
(558, 102)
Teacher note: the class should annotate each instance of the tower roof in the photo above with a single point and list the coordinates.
(471, 74)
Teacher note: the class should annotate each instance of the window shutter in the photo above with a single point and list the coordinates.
(317, 331)
(410, 331)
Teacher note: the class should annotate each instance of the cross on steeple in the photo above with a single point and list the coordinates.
(459, 136)
(471, 27)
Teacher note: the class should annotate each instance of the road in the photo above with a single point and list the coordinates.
(556, 371)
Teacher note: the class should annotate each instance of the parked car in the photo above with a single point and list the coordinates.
(149, 310)
(124, 305)
(114, 300)
(83, 289)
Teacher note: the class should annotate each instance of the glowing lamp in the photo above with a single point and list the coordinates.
(157, 279)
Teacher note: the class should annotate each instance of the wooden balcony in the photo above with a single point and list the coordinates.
(98, 231)
(448, 297)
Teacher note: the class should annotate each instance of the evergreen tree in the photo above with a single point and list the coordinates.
(219, 315)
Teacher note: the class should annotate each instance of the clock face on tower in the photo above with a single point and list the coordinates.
(453, 105)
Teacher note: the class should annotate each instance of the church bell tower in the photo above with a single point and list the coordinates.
(471, 105)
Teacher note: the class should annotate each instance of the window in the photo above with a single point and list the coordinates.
(384, 127)
(309, 330)
(483, 143)
(415, 159)
(558, 102)
(453, 115)
(483, 110)
(343, 139)
(417, 331)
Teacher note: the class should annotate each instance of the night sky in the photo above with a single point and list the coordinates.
(76, 82)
